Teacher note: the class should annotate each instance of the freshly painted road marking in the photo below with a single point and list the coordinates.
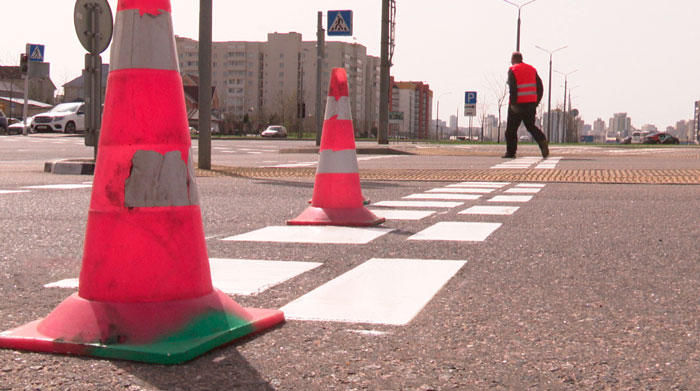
(549, 164)
(292, 165)
(364, 158)
(480, 184)
(71, 283)
(394, 214)
(457, 231)
(311, 234)
(13, 191)
(490, 210)
(237, 276)
(462, 190)
(60, 187)
(250, 277)
(523, 162)
(437, 196)
(419, 204)
(510, 198)
(523, 190)
(539, 185)
(379, 291)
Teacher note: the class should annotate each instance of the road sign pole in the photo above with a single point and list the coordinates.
(320, 54)
(25, 107)
(204, 122)
(384, 78)
(94, 27)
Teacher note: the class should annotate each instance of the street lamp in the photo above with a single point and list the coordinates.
(517, 46)
(437, 116)
(566, 81)
(549, 94)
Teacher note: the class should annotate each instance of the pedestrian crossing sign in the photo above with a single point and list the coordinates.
(340, 23)
(36, 53)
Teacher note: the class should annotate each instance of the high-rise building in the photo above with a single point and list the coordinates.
(453, 121)
(490, 126)
(649, 128)
(697, 121)
(620, 125)
(557, 125)
(414, 100)
(599, 126)
(275, 80)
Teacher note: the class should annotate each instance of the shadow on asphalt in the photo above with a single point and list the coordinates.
(220, 369)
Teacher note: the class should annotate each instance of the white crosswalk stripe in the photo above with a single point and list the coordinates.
(382, 291)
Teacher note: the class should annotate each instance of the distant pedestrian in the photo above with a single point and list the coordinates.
(526, 91)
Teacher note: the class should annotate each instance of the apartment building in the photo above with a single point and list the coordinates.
(275, 81)
(411, 105)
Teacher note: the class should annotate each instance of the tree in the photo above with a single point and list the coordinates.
(483, 112)
(499, 89)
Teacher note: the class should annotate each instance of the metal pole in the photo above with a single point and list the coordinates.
(565, 125)
(517, 42)
(205, 38)
(26, 92)
(457, 124)
(320, 46)
(383, 133)
(549, 101)
(437, 122)
(517, 45)
(549, 93)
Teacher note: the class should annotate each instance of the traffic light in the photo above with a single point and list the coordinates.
(23, 63)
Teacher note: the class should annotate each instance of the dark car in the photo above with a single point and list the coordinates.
(3, 123)
(660, 138)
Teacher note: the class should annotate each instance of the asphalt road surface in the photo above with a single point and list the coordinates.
(515, 285)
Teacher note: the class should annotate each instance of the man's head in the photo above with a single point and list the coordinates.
(516, 58)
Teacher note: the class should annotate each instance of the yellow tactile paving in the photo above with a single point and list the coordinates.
(623, 176)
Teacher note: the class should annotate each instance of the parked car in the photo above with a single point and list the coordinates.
(660, 138)
(3, 123)
(274, 131)
(638, 136)
(17, 127)
(627, 140)
(65, 117)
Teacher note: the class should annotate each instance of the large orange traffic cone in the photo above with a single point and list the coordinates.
(337, 197)
(145, 285)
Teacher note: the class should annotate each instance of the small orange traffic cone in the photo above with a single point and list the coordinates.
(145, 284)
(337, 197)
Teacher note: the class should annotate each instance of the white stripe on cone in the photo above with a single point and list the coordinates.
(143, 42)
(341, 108)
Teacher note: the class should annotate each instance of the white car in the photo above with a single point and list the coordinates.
(65, 117)
(18, 127)
(274, 131)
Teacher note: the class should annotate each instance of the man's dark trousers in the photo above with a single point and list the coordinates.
(524, 112)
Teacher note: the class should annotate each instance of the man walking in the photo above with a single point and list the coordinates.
(526, 91)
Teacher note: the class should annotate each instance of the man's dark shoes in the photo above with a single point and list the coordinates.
(508, 156)
(544, 148)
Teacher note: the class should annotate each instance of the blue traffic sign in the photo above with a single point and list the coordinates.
(470, 98)
(36, 53)
(340, 23)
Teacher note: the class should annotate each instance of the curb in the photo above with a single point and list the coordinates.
(71, 167)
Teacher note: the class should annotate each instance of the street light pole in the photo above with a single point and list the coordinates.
(566, 81)
(549, 93)
(437, 116)
(204, 122)
(517, 44)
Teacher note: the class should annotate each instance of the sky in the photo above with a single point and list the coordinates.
(631, 56)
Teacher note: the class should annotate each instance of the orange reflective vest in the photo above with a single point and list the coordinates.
(526, 79)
